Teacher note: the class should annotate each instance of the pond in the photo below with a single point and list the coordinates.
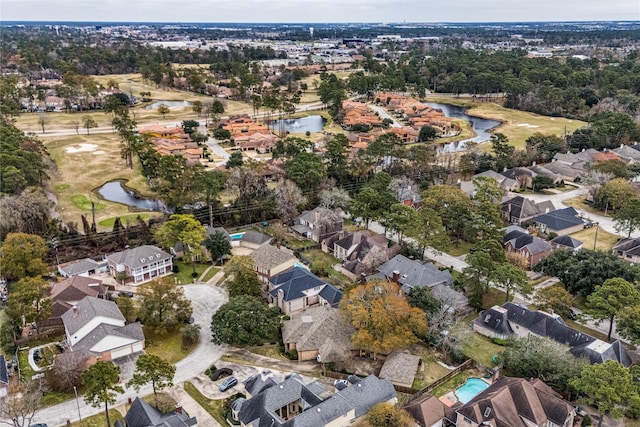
(302, 125)
(113, 191)
(480, 126)
(170, 104)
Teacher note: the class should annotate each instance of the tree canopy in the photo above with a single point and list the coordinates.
(100, 383)
(241, 277)
(23, 256)
(164, 306)
(153, 369)
(245, 321)
(608, 299)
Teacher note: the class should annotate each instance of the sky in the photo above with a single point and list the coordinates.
(319, 10)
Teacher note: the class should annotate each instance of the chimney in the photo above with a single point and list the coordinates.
(395, 276)
(178, 408)
(363, 278)
(278, 245)
(75, 311)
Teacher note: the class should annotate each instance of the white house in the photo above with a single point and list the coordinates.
(97, 327)
(139, 265)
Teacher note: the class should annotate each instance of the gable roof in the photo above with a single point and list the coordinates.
(268, 257)
(630, 246)
(426, 410)
(294, 282)
(319, 328)
(78, 266)
(520, 207)
(520, 241)
(131, 331)
(400, 367)
(77, 287)
(560, 219)
(413, 273)
(565, 170)
(139, 257)
(567, 241)
(141, 414)
(503, 320)
(87, 309)
(251, 236)
(511, 401)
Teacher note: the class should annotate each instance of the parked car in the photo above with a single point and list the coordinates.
(579, 411)
(228, 383)
(126, 294)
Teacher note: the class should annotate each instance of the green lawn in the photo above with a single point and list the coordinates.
(212, 272)
(481, 349)
(99, 420)
(124, 219)
(272, 351)
(322, 265)
(213, 407)
(23, 362)
(50, 398)
(494, 297)
(432, 369)
(167, 345)
(580, 202)
(606, 241)
(185, 269)
(80, 201)
(453, 383)
(460, 248)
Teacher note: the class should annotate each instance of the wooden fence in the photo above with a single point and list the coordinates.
(464, 365)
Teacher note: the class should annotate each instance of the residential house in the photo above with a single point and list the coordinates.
(360, 251)
(532, 248)
(523, 176)
(570, 173)
(427, 410)
(297, 289)
(516, 402)
(400, 367)
(317, 224)
(293, 403)
(139, 265)
(504, 183)
(516, 321)
(97, 327)
(561, 221)
(79, 267)
(519, 209)
(69, 292)
(269, 261)
(583, 157)
(566, 242)
(318, 333)
(409, 273)
(543, 171)
(141, 414)
(210, 231)
(628, 154)
(628, 249)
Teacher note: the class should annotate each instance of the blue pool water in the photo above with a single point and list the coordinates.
(236, 236)
(470, 389)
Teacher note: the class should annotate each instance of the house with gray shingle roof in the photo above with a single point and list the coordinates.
(270, 260)
(141, 414)
(400, 367)
(566, 242)
(70, 292)
(97, 327)
(318, 333)
(519, 209)
(296, 289)
(628, 249)
(561, 221)
(317, 224)
(409, 273)
(572, 173)
(79, 267)
(532, 248)
(515, 321)
(291, 403)
(139, 265)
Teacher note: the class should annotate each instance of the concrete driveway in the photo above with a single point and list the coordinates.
(205, 300)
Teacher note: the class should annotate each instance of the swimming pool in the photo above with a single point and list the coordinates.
(236, 236)
(470, 389)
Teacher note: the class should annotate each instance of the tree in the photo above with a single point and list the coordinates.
(89, 122)
(241, 279)
(197, 107)
(218, 245)
(22, 256)
(429, 231)
(288, 199)
(543, 147)
(235, 160)
(20, 405)
(427, 133)
(502, 150)
(190, 126)
(163, 305)
(477, 275)
(580, 272)
(334, 198)
(66, 371)
(420, 297)
(307, 170)
(155, 370)
(606, 385)
(554, 299)
(245, 321)
(30, 301)
(43, 120)
(629, 323)
(215, 109)
(614, 194)
(539, 357)
(610, 298)
(75, 125)
(401, 219)
(627, 218)
(184, 229)
(164, 110)
(190, 335)
(101, 385)
(509, 277)
(116, 104)
(384, 415)
(127, 308)
(382, 317)
(28, 212)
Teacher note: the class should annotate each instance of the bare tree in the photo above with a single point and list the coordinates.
(66, 371)
(43, 120)
(75, 124)
(595, 179)
(19, 407)
(288, 199)
(334, 198)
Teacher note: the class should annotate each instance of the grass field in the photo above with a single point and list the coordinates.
(516, 125)
(606, 241)
(124, 220)
(185, 269)
(213, 407)
(432, 370)
(99, 420)
(168, 345)
(580, 202)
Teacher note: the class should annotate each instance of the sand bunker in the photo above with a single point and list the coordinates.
(97, 153)
(527, 125)
(81, 148)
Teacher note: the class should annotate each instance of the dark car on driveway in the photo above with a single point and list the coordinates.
(228, 383)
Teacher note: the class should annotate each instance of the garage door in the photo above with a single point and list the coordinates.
(139, 346)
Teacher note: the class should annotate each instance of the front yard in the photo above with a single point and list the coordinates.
(215, 408)
(185, 269)
(167, 345)
(606, 241)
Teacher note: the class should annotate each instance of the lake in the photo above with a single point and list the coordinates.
(170, 104)
(302, 125)
(113, 191)
(480, 126)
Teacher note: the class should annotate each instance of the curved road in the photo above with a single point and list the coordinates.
(205, 300)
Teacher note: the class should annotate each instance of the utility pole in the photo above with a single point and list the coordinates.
(595, 240)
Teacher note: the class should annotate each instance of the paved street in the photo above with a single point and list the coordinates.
(385, 115)
(205, 300)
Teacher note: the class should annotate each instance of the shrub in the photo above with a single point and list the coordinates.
(165, 403)
(457, 356)
(586, 421)
(499, 341)
(552, 236)
(194, 274)
(175, 268)
(292, 355)
(286, 317)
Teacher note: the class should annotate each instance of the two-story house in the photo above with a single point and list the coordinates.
(532, 248)
(296, 289)
(269, 261)
(317, 224)
(139, 265)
